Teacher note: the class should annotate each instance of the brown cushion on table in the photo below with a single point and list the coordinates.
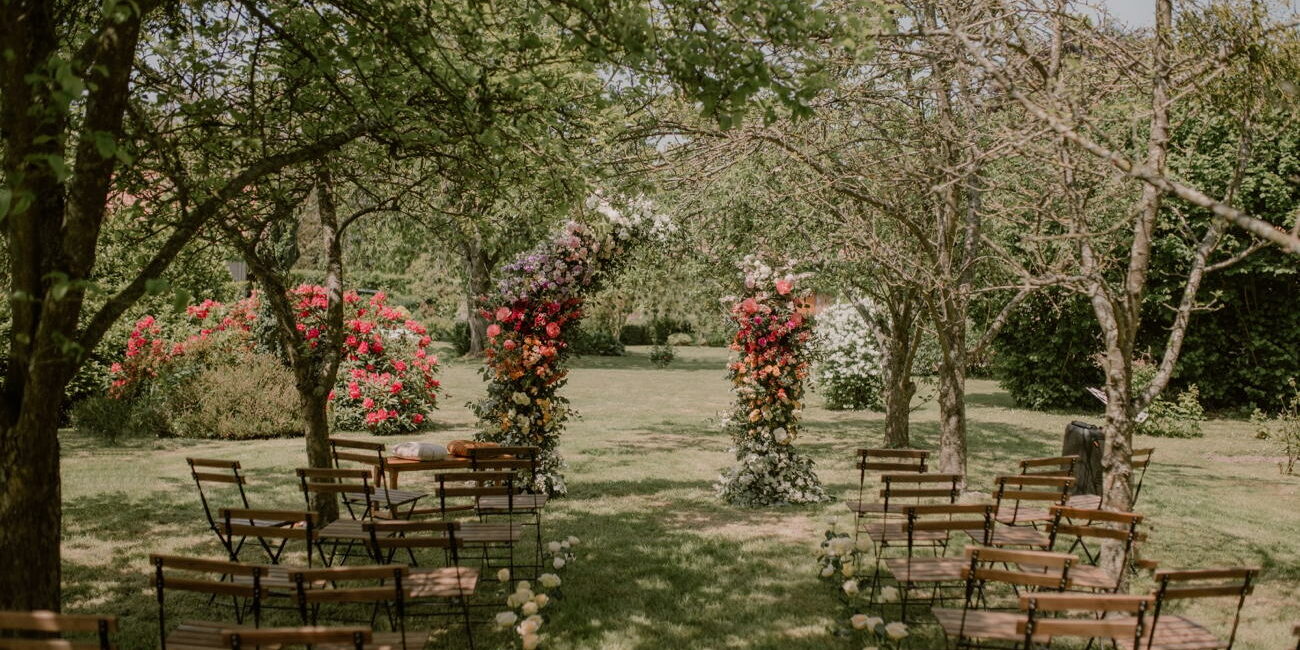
(461, 448)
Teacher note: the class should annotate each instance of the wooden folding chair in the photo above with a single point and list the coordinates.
(978, 622)
(400, 504)
(1040, 491)
(1141, 462)
(473, 487)
(1091, 621)
(359, 500)
(934, 571)
(45, 623)
(900, 490)
(243, 583)
(253, 523)
(1173, 632)
(1050, 466)
(214, 474)
(893, 461)
(384, 585)
(449, 583)
(1083, 525)
(521, 460)
(320, 638)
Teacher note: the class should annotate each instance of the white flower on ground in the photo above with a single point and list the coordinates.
(554, 547)
(888, 594)
(849, 569)
(858, 621)
(523, 585)
(863, 544)
(531, 641)
(503, 575)
(541, 600)
(828, 571)
(573, 541)
(506, 619)
(851, 587)
(840, 546)
(549, 580)
(873, 622)
(896, 630)
(558, 563)
(565, 544)
(530, 625)
(529, 608)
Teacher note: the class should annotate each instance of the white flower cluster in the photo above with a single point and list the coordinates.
(527, 620)
(770, 473)
(637, 215)
(840, 559)
(848, 371)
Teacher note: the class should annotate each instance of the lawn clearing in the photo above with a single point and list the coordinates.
(662, 562)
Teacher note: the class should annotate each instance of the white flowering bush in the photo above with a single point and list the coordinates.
(842, 564)
(526, 602)
(848, 370)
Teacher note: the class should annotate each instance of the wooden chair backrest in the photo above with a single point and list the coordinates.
(1226, 582)
(337, 482)
(892, 460)
(1050, 466)
(1090, 625)
(367, 453)
(1041, 569)
(1031, 487)
(379, 584)
(1096, 524)
(172, 573)
(356, 637)
(217, 474)
(947, 518)
(1141, 459)
(387, 536)
(517, 459)
(472, 485)
(55, 623)
(920, 486)
(258, 523)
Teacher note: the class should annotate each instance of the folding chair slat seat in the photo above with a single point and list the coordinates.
(47, 622)
(1175, 632)
(1016, 568)
(213, 578)
(1040, 490)
(894, 461)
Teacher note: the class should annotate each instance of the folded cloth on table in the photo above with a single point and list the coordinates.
(461, 448)
(419, 451)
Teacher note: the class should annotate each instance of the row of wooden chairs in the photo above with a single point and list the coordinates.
(55, 631)
(1021, 546)
(397, 588)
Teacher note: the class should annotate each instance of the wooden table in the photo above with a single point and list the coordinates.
(395, 466)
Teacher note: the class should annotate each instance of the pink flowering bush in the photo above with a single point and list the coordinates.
(387, 381)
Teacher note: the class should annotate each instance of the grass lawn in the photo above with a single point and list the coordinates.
(663, 563)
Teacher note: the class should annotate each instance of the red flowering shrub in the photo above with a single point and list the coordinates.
(387, 381)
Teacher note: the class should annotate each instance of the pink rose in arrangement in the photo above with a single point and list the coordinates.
(553, 330)
(493, 330)
(783, 286)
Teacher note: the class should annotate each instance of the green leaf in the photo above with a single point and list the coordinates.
(156, 286)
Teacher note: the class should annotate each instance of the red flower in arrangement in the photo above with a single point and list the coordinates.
(493, 330)
(553, 330)
(784, 286)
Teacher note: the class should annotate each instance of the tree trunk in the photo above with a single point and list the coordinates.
(952, 398)
(316, 429)
(30, 504)
(478, 282)
(899, 387)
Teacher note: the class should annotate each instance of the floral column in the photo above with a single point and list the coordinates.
(532, 319)
(768, 379)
